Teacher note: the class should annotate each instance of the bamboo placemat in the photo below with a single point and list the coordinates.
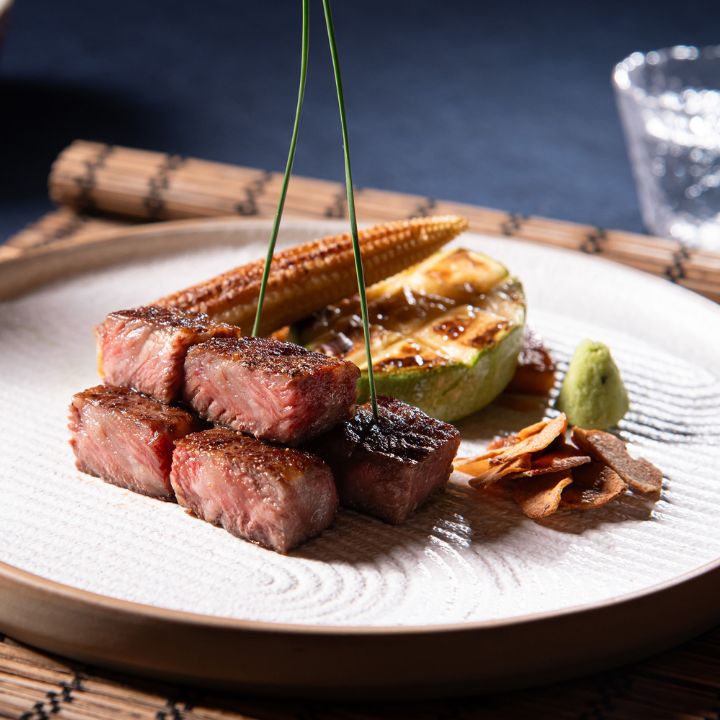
(99, 187)
(680, 685)
(93, 182)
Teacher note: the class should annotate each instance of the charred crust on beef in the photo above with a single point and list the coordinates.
(269, 355)
(256, 455)
(167, 317)
(135, 405)
(402, 431)
(389, 467)
(274, 390)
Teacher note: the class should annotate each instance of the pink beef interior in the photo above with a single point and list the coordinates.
(145, 348)
(126, 439)
(392, 491)
(276, 497)
(141, 357)
(286, 400)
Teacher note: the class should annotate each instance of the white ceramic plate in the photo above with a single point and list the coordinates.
(463, 562)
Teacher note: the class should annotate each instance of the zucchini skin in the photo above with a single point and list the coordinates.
(442, 361)
(452, 392)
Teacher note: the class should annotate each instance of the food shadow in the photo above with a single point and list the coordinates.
(623, 509)
(462, 517)
(508, 414)
(453, 518)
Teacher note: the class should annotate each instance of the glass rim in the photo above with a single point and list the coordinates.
(622, 72)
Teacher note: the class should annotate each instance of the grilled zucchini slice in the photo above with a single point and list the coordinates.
(445, 333)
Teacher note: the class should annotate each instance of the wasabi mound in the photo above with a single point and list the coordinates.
(592, 393)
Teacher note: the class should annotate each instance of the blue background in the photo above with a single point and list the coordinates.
(504, 104)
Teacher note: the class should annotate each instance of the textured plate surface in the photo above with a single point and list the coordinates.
(463, 559)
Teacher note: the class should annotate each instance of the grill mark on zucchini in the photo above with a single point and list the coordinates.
(448, 352)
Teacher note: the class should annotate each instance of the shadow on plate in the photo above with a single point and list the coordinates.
(458, 518)
(508, 414)
(461, 518)
(625, 508)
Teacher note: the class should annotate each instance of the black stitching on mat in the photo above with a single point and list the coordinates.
(87, 182)
(40, 712)
(154, 201)
(74, 223)
(512, 224)
(172, 711)
(425, 208)
(54, 699)
(65, 230)
(248, 206)
(337, 208)
(676, 270)
(68, 688)
(593, 242)
(66, 691)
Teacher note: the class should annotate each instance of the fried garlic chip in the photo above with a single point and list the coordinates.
(640, 474)
(593, 486)
(515, 455)
(540, 496)
(537, 437)
(502, 442)
(486, 471)
(553, 461)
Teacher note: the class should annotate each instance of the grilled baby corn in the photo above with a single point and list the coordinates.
(308, 277)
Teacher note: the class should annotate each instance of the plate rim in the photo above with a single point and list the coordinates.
(24, 579)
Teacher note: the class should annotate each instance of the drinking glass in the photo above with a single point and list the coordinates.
(669, 103)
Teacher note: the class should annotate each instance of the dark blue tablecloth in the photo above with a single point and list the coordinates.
(505, 104)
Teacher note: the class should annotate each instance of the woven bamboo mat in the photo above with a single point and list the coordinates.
(99, 188)
(680, 685)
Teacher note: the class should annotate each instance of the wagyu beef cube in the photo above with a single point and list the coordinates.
(390, 467)
(127, 438)
(276, 497)
(273, 390)
(144, 348)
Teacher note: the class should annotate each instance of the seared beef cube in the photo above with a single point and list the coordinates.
(276, 497)
(273, 390)
(390, 467)
(145, 348)
(127, 438)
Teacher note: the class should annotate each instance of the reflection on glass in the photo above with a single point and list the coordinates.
(669, 102)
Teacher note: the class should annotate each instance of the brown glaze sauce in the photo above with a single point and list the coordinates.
(535, 374)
